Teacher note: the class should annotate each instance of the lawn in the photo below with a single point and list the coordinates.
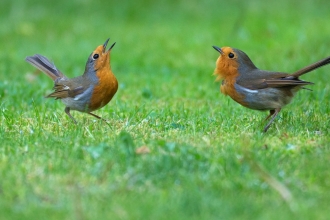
(174, 147)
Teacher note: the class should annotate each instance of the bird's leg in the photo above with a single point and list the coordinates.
(272, 113)
(98, 117)
(67, 111)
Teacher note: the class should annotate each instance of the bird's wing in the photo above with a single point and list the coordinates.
(265, 79)
(65, 88)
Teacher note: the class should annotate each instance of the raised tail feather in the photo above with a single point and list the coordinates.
(43, 64)
(311, 67)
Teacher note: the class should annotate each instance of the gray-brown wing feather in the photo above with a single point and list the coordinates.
(65, 88)
(285, 82)
(259, 79)
(65, 92)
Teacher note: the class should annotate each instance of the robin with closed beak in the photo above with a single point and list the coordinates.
(258, 89)
(86, 93)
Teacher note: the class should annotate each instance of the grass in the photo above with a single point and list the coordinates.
(206, 155)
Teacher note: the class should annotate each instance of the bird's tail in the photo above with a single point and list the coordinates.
(311, 67)
(43, 64)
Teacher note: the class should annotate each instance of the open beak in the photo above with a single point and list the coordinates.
(112, 46)
(105, 45)
(218, 49)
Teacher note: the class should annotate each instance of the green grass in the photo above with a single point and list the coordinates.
(208, 158)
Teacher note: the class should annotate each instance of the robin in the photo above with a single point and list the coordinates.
(258, 89)
(86, 93)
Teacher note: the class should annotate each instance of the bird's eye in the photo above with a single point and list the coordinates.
(95, 56)
(231, 55)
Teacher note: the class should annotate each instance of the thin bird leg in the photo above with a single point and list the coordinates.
(98, 117)
(67, 111)
(273, 113)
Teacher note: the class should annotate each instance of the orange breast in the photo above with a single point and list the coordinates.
(228, 88)
(104, 90)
